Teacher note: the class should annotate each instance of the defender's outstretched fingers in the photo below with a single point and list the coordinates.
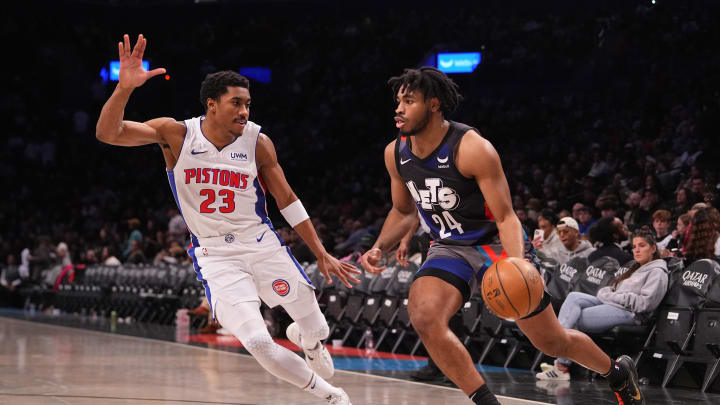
(126, 45)
(141, 48)
(156, 72)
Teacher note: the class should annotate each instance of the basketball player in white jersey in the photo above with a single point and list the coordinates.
(219, 166)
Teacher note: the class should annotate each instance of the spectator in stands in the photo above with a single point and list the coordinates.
(608, 206)
(10, 281)
(585, 220)
(675, 244)
(135, 236)
(630, 299)
(661, 224)
(572, 246)
(606, 235)
(697, 186)
(136, 255)
(702, 237)
(550, 240)
(635, 216)
(177, 229)
(684, 199)
(107, 257)
(62, 252)
(577, 207)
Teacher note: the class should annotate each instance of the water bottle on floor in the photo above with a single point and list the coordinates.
(369, 341)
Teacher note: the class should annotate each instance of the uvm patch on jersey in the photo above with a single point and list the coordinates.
(281, 287)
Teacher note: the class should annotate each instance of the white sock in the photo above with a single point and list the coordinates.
(320, 388)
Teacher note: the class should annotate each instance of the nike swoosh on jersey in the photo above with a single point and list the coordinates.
(197, 153)
(402, 162)
(261, 237)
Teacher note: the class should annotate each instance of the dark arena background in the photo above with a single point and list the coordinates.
(597, 109)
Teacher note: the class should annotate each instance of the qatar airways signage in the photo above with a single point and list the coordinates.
(458, 62)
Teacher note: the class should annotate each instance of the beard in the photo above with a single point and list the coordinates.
(421, 125)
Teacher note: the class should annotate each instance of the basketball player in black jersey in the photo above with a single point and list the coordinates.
(453, 178)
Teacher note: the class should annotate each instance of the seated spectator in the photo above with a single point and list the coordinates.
(678, 235)
(136, 255)
(108, 258)
(585, 220)
(606, 234)
(684, 199)
(628, 301)
(702, 237)
(10, 281)
(572, 246)
(661, 225)
(135, 235)
(550, 240)
(635, 217)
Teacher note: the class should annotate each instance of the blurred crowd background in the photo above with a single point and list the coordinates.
(602, 110)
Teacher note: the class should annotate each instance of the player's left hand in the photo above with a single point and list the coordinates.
(344, 271)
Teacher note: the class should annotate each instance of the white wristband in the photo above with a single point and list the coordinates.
(294, 213)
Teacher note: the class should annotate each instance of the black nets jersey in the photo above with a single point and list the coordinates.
(451, 205)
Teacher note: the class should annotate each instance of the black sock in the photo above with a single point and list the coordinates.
(616, 376)
(483, 396)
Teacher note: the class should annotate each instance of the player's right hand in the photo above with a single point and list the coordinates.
(371, 259)
(132, 73)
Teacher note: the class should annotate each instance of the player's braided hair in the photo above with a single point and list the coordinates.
(432, 83)
(216, 84)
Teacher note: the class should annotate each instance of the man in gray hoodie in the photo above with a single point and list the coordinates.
(572, 246)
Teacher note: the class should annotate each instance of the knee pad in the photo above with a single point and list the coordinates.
(261, 346)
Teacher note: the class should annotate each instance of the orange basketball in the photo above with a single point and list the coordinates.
(512, 288)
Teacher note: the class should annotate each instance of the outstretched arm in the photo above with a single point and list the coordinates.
(478, 158)
(110, 126)
(274, 178)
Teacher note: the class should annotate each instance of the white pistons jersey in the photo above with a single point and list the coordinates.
(219, 192)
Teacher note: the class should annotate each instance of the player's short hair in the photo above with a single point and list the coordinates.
(216, 84)
(432, 83)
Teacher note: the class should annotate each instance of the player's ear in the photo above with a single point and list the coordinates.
(434, 104)
(211, 105)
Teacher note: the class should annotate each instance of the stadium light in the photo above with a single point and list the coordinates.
(260, 74)
(458, 62)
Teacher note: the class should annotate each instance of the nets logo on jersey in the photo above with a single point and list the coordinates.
(434, 194)
(281, 287)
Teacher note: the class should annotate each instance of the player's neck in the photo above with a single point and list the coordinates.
(425, 142)
(216, 135)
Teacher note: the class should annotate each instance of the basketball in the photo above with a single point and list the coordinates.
(512, 288)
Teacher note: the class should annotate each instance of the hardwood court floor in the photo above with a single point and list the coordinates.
(48, 364)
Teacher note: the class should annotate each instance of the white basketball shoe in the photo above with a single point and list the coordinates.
(341, 399)
(317, 359)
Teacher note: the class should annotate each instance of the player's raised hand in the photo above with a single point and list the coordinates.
(344, 271)
(371, 259)
(132, 73)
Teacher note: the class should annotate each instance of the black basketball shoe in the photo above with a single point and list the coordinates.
(629, 392)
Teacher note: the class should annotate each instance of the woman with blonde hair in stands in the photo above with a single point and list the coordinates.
(629, 300)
